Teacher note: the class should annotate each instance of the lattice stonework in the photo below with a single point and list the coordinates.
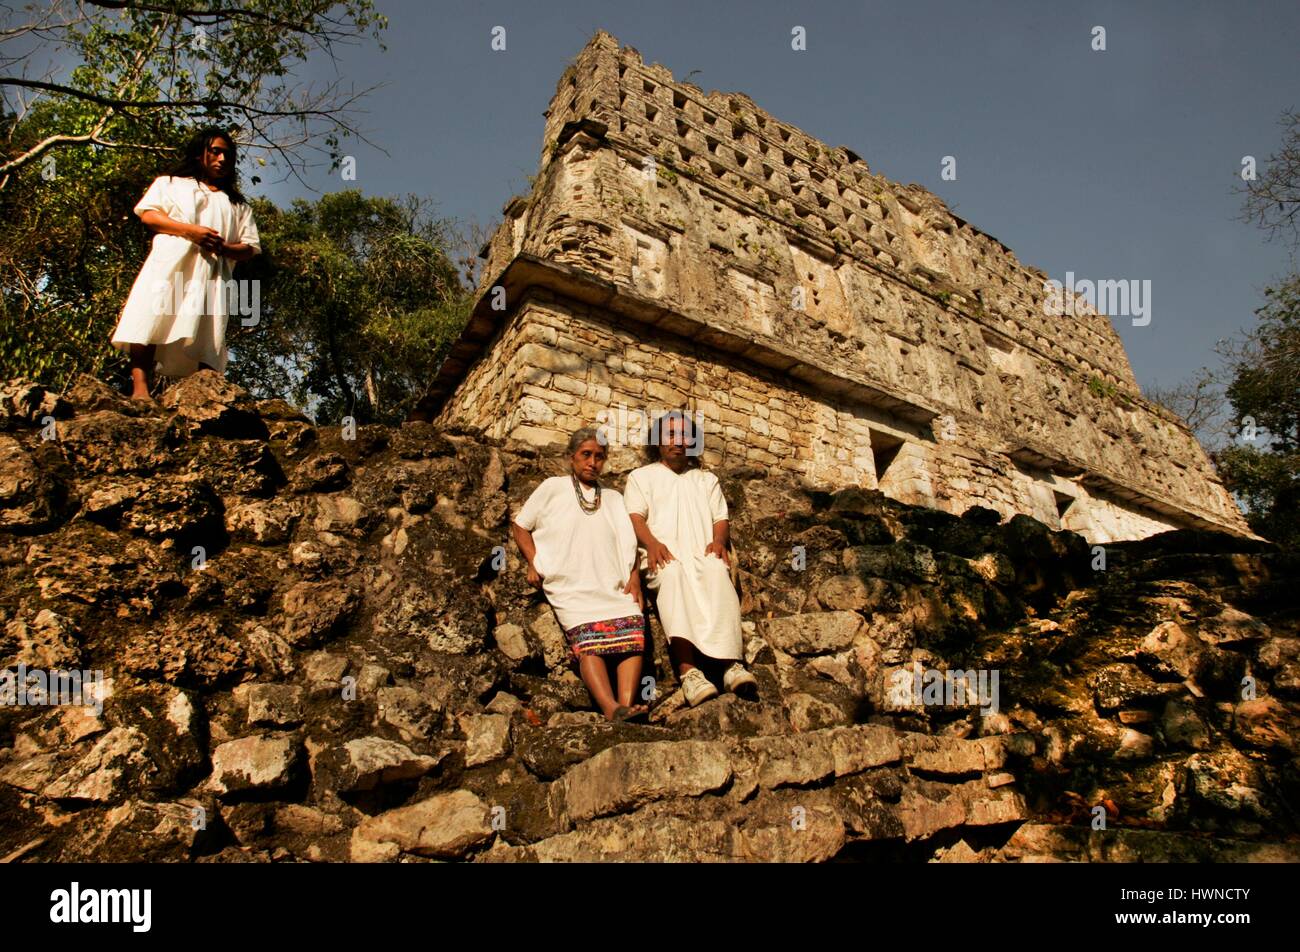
(684, 250)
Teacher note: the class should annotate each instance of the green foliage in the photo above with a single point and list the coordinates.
(1268, 483)
(360, 303)
(142, 69)
(1104, 389)
(1100, 388)
(139, 78)
(1264, 385)
(70, 249)
(1265, 388)
(637, 205)
(665, 168)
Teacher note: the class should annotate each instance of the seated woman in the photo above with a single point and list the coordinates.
(581, 551)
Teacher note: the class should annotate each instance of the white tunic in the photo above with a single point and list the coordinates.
(696, 599)
(179, 299)
(584, 559)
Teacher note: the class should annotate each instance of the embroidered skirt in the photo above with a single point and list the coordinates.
(612, 636)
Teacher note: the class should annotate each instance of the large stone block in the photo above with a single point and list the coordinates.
(813, 633)
(623, 777)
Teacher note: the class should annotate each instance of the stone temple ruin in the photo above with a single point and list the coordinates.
(684, 250)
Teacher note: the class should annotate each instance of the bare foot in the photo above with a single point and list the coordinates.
(633, 710)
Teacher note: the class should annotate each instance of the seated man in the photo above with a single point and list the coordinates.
(680, 518)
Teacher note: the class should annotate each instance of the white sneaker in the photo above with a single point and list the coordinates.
(697, 687)
(739, 681)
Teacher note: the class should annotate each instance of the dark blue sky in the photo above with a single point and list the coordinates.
(1114, 164)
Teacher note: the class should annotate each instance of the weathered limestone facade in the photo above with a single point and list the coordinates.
(683, 250)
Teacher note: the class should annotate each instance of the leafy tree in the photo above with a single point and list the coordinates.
(143, 67)
(79, 146)
(1255, 448)
(360, 302)
(1264, 467)
(70, 249)
(1264, 364)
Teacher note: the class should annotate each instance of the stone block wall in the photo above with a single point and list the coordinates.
(560, 366)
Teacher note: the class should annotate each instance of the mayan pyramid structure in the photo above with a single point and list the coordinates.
(683, 250)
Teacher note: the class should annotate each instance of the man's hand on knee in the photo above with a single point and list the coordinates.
(720, 550)
(657, 555)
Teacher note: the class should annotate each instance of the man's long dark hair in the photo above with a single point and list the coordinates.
(190, 164)
(690, 434)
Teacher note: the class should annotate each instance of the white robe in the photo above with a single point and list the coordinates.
(584, 559)
(695, 596)
(189, 327)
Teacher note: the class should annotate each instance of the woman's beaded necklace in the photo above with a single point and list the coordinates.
(587, 507)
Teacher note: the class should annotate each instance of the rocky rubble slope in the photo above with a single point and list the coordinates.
(317, 645)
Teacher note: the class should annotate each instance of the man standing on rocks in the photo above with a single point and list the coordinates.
(680, 518)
